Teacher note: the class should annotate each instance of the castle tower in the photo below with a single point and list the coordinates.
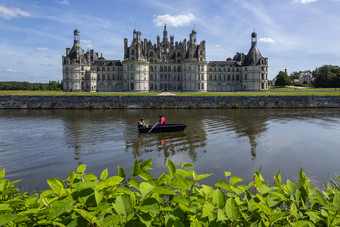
(255, 68)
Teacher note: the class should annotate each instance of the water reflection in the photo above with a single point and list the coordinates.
(40, 144)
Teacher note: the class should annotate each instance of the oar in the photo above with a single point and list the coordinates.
(153, 127)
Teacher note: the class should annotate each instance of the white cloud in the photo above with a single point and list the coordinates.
(63, 2)
(179, 20)
(304, 1)
(12, 71)
(266, 40)
(11, 12)
(87, 43)
(42, 48)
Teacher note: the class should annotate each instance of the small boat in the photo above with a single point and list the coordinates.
(166, 128)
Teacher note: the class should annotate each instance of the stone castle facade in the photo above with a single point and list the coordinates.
(165, 65)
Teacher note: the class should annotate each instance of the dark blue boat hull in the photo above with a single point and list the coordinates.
(166, 128)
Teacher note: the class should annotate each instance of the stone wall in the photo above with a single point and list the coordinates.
(170, 102)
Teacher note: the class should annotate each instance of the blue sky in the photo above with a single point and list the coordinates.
(293, 34)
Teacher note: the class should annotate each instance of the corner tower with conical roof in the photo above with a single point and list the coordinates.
(254, 70)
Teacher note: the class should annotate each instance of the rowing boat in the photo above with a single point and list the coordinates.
(166, 128)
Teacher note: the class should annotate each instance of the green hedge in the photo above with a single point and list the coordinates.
(173, 199)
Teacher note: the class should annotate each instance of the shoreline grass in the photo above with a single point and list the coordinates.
(315, 92)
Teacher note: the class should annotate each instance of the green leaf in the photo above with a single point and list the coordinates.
(201, 176)
(123, 206)
(264, 208)
(56, 185)
(227, 174)
(81, 169)
(221, 215)
(151, 205)
(224, 185)
(277, 216)
(185, 172)
(136, 168)
(114, 180)
(134, 183)
(314, 216)
(146, 164)
(2, 173)
(104, 174)
(303, 224)
(219, 198)
(90, 177)
(60, 206)
(232, 209)
(336, 201)
(145, 188)
(5, 218)
(162, 190)
(121, 172)
(188, 165)
(145, 175)
(235, 180)
(88, 216)
(172, 168)
(98, 196)
(71, 177)
(195, 223)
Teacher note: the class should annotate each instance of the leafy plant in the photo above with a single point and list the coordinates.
(173, 199)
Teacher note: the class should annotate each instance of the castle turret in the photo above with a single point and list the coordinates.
(254, 54)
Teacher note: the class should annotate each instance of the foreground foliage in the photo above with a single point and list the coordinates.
(173, 199)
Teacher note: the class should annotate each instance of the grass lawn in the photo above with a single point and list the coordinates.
(62, 93)
(315, 91)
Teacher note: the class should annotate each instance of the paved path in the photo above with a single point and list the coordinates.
(166, 94)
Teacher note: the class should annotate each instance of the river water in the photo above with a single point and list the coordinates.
(36, 145)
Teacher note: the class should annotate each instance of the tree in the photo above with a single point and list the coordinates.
(283, 79)
(327, 76)
(294, 75)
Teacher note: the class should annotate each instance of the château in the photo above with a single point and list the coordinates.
(165, 65)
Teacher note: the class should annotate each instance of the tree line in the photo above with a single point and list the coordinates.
(327, 76)
(16, 85)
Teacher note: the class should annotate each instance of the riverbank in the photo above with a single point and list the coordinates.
(169, 102)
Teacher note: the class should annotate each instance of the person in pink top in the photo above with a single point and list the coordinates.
(162, 120)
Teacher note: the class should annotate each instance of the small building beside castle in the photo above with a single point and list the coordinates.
(166, 65)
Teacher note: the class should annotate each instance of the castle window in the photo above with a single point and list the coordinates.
(219, 69)
(237, 77)
(103, 68)
(228, 77)
(161, 69)
(237, 69)
(245, 77)
(132, 86)
(209, 69)
(169, 68)
(262, 76)
(245, 69)
(165, 69)
(228, 69)
(132, 51)
(233, 77)
(201, 52)
(224, 77)
(133, 58)
(151, 68)
(178, 54)
(151, 60)
(262, 86)
(219, 77)
(151, 54)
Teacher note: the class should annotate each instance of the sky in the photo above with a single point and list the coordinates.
(294, 34)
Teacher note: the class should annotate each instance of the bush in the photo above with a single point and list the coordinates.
(173, 199)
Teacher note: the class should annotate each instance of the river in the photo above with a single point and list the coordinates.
(36, 145)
